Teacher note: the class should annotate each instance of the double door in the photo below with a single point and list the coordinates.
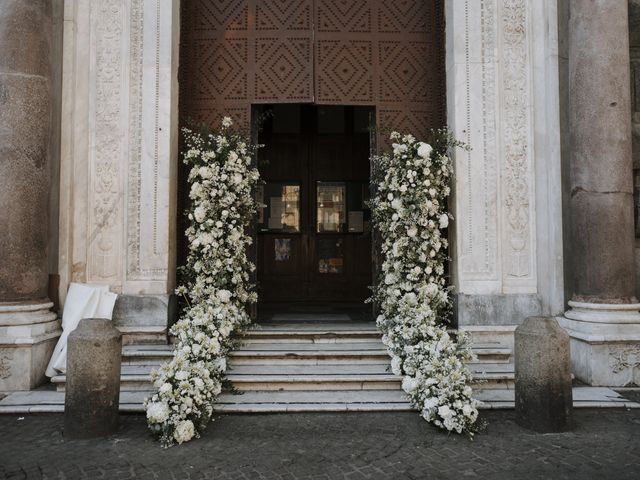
(314, 230)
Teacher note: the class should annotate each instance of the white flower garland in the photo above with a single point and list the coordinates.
(409, 209)
(217, 285)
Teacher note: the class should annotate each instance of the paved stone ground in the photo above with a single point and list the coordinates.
(605, 444)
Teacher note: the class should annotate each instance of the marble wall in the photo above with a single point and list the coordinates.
(119, 145)
(503, 102)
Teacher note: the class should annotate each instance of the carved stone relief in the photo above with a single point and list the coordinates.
(491, 113)
(517, 170)
(105, 156)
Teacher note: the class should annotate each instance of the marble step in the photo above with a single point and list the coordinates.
(136, 335)
(48, 401)
(311, 377)
(302, 353)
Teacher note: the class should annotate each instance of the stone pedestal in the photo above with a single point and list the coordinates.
(28, 335)
(604, 320)
(605, 342)
(543, 377)
(27, 328)
(92, 389)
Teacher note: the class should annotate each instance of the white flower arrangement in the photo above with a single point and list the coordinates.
(409, 210)
(217, 285)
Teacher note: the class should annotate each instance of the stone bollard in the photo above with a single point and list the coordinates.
(544, 399)
(92, 397)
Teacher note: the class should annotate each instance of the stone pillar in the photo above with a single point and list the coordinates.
(544, 398)
(604, 320)
(92, 395)
(28, 330)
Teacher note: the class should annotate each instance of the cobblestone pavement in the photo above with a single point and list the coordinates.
(605, 444)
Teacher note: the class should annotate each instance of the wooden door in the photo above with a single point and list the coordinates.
(314, 240)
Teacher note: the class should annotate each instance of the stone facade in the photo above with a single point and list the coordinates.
(509, 96)
(503, 102)
(119, 148)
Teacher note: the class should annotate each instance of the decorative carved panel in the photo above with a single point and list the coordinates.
(104, 162)
(387, 53)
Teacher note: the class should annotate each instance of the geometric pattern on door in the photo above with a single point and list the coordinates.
(385, 53)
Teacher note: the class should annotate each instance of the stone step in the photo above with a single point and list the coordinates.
(301, 353)
(312, 333)
(311, 377)
(48, 401)
(137, 335)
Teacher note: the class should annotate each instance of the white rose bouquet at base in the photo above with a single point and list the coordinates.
(409, 210)
(216, 287)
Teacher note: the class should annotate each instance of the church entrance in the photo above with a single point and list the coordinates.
(329, 69)
(314, 246)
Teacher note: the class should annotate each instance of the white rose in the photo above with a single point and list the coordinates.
(410, 384)
(396, 364)
(166, 388)
(184, 431)
(199, 214)
(181, 375)
(430, 403)
(205, 172)
(233, 156)
(158, 412)
(444, 220)
(445, 412)
(220, 364)
(399, 149)
(223, 295)
(424, 150)
(412, 231)
(226, 122)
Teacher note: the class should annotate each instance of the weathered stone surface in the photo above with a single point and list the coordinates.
(603, 247)
(496, 309)
(543, 376)
(142, 310)
(93, 379)
(25, 35)
(601, 165)
(28, 329)
(380, 446)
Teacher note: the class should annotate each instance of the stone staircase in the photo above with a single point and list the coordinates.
(312, 366)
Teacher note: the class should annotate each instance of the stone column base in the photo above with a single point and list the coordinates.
(605, 343)
(28, 334)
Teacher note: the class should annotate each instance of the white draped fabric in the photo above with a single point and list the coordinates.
(83, 301)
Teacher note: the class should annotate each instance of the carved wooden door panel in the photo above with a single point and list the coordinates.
(387, 53)
(235, 53)
(384, 53)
